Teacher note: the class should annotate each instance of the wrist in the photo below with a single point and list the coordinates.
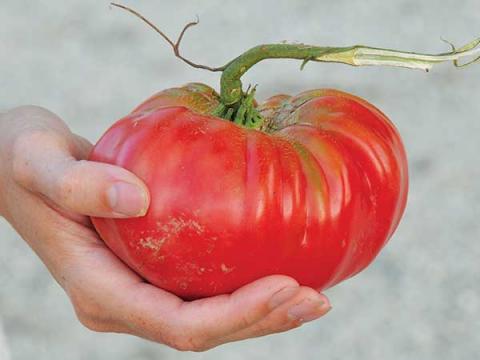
(3, 188)
(8, 130)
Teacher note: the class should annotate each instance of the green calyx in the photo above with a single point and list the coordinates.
(243, 112)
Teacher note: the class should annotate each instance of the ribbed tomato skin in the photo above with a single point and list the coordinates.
(315, 198)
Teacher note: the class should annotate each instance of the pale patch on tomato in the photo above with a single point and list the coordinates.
(225, 269)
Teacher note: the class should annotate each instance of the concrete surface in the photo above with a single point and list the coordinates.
(421, 297)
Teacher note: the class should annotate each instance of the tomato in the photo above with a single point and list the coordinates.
(315, 194)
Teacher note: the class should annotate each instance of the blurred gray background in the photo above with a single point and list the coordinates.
(90, 64)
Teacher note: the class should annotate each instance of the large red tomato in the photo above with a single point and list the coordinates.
(314, 195)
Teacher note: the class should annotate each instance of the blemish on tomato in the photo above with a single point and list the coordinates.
(177, 224)
(152, 243)
(225, 269)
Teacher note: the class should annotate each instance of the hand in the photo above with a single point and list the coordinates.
(47, 190)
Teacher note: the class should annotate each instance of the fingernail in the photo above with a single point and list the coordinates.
(127, 199)
(309, 309)
(282, 296)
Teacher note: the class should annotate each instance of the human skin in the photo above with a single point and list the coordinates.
(47, 193)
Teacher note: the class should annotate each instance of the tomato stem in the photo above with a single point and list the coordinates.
(239, 106)
(358, 55)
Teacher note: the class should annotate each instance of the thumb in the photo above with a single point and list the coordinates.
(44, 163)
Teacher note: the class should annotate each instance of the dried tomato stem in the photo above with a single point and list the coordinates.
(174, 44)
(358, 55)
